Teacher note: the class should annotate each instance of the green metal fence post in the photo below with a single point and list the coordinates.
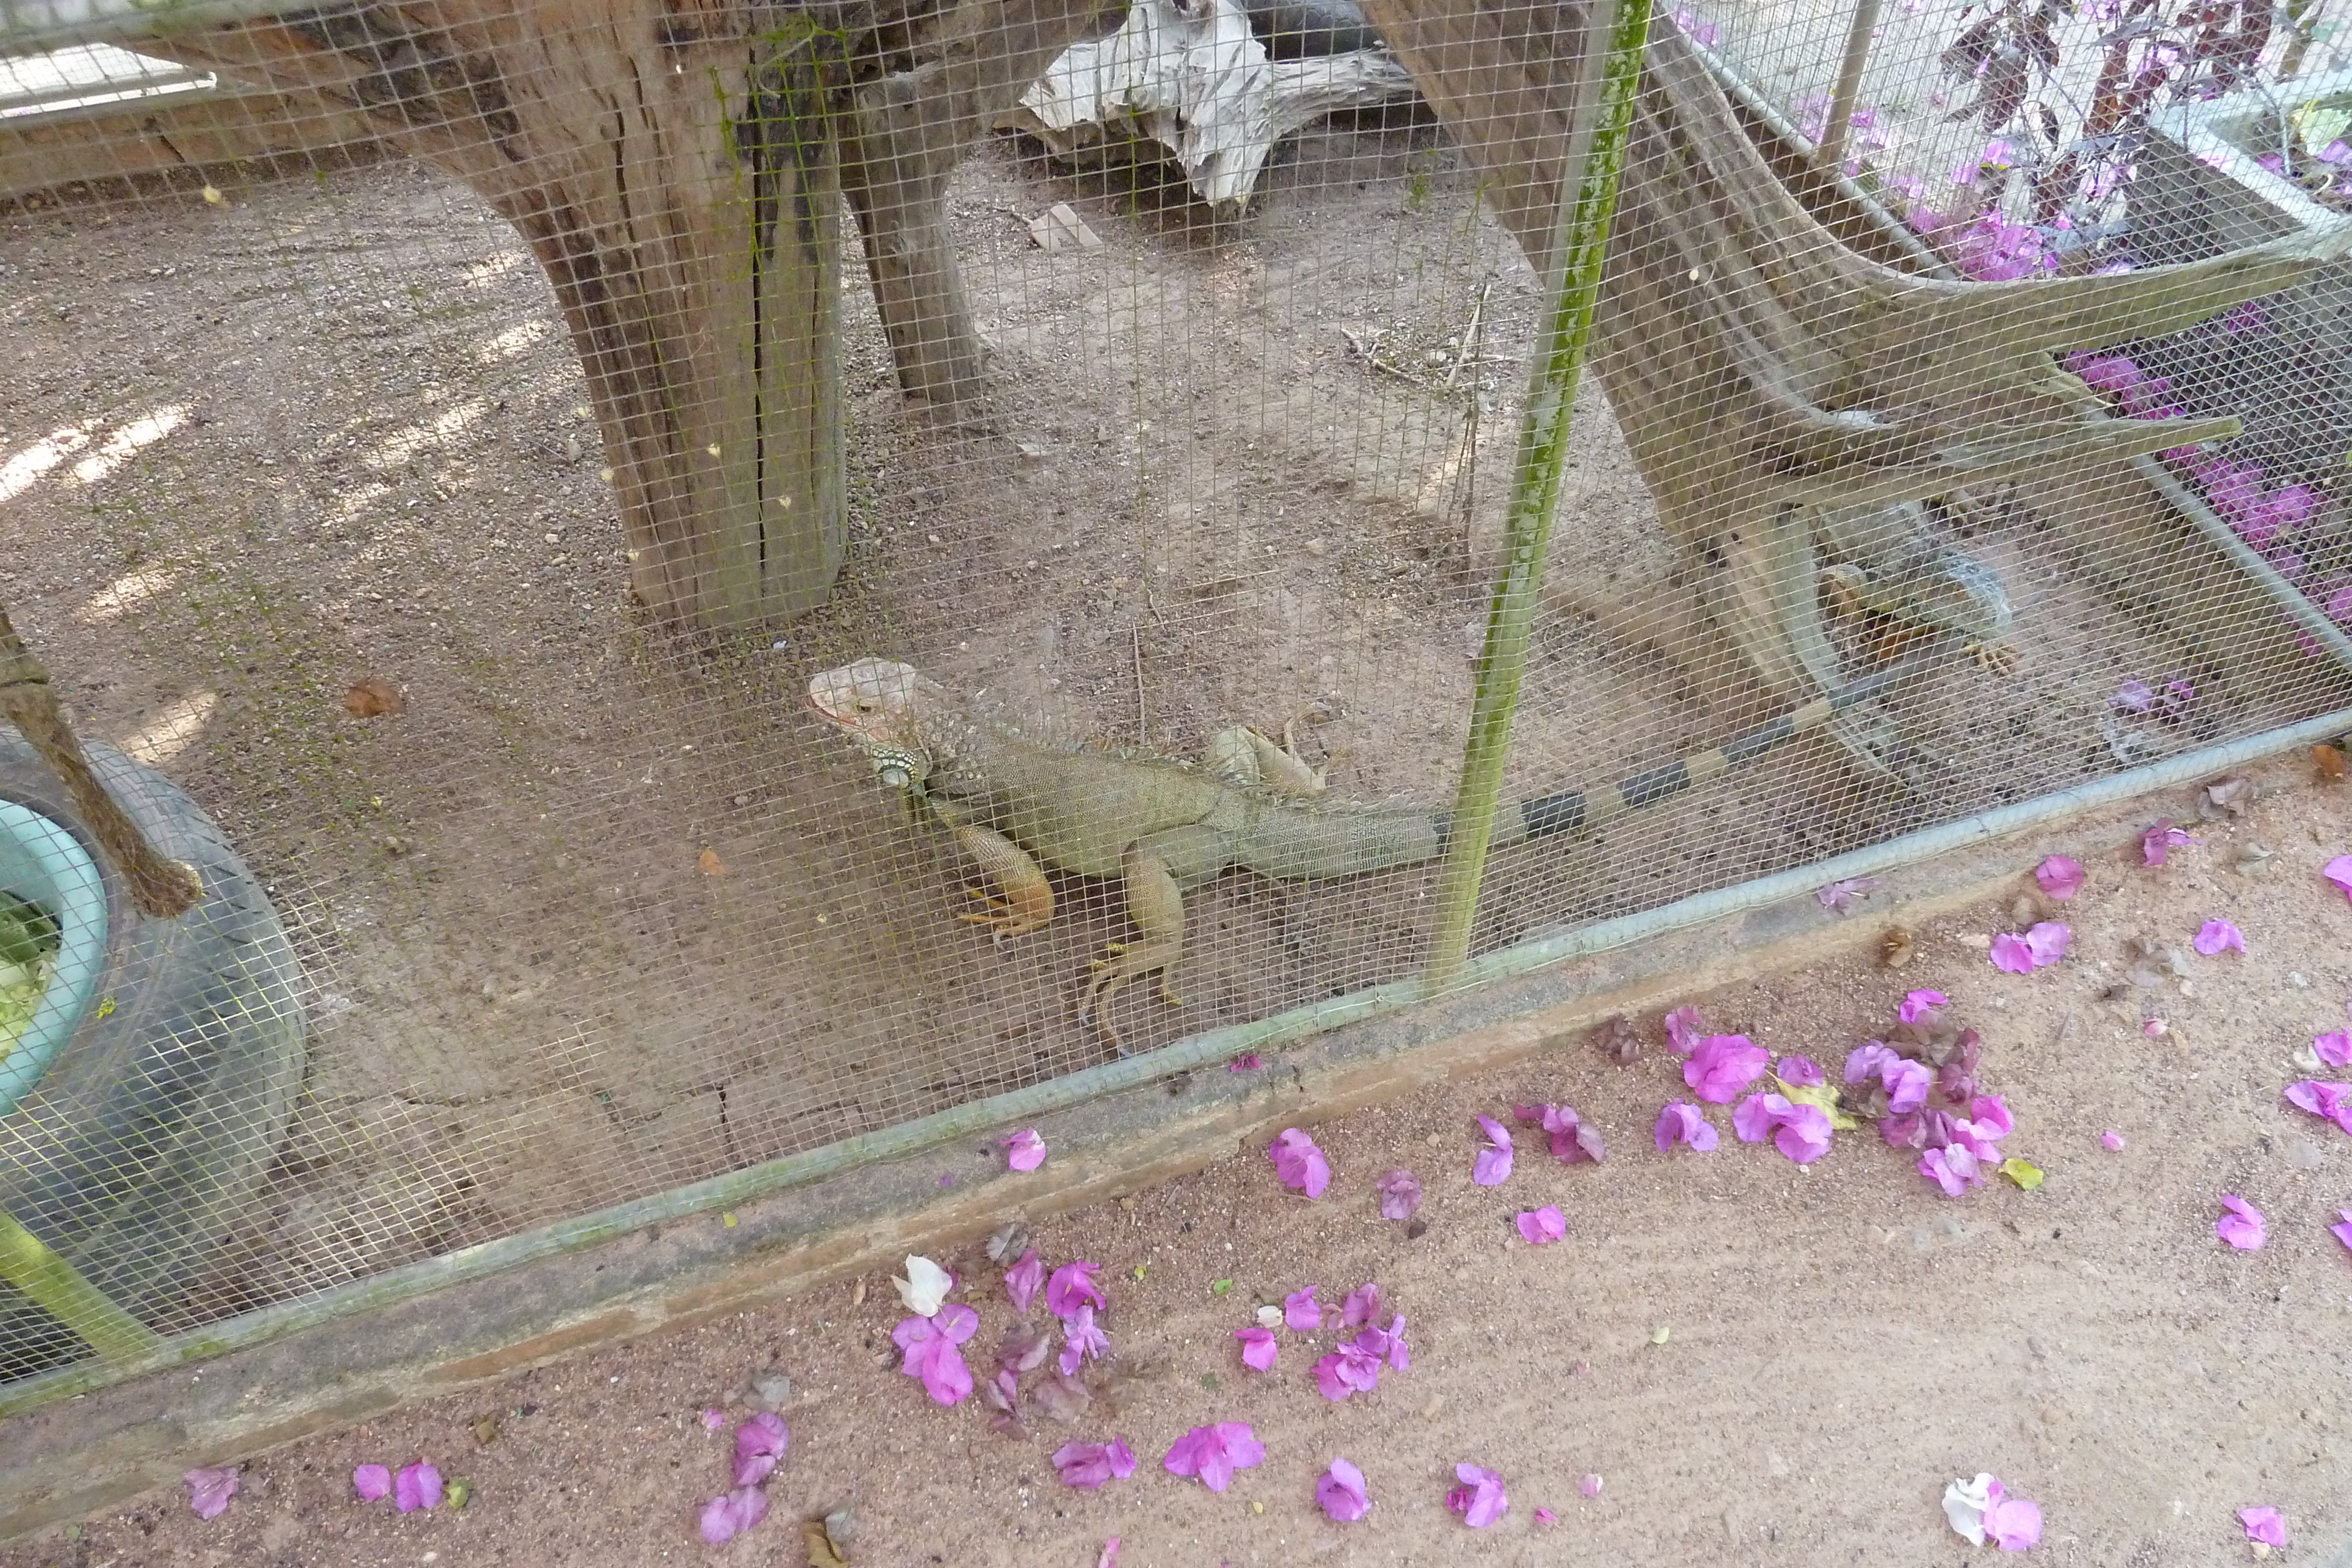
(1594, 157)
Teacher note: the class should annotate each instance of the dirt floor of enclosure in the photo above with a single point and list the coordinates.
(1763, 1364)
(601, 911)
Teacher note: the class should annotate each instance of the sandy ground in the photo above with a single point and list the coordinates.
(1838, 1340)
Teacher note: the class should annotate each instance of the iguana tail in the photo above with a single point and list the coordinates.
(1581, 811)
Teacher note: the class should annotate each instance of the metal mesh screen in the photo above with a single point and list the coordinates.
(442, 443)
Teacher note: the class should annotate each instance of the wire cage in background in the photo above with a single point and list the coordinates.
(445, 440)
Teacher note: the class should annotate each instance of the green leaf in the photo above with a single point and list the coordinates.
(1219, 1287)
(1209, 1380)
(2025, 1175)
(1821, 1095)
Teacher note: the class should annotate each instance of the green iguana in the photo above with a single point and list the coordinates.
(1017, 804)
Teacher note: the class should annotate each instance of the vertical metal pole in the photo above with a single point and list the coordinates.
(1849, 84)
(1611, 71)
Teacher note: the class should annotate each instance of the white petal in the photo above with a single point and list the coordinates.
(1269, 1317)
(925, 1287)
(1965, 1503)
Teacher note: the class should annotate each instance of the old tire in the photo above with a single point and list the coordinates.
(154, 1125)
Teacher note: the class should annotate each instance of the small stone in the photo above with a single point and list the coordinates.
(1662, 1334)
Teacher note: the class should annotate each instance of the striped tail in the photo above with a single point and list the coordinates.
(1579, 810)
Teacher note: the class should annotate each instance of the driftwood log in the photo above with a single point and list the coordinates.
(678, 174)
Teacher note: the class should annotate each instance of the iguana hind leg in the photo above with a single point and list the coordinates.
(1249, 756)
(1023, 899)
(1157, 869)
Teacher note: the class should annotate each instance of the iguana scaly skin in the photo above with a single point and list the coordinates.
(1017, 805)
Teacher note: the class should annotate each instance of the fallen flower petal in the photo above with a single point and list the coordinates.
(1213, 1453)
(2060, 876)
(1800, 1131)
(1399, 1194)
(2111, 1139)
(1682, 1123)
(712, 1421)
(725, 1518)
(1081, 1340)
(1480, 1499)
(1907, 1083)
(2340, 872)
(1953, 1168)
(1868, 1060)
(2336, 1050)
(2048, 942)
(1024, 1150)
(2132, 697)
(1572, 1138)
(1351, 1369)
(932, 1356)
(2333, 1101)
(2010, 954)
(1247, 1061)
(1685, 1028)
(1803, 1071)
(1259, 1348)
(1087, 1466)
(1543, 1225)
(1590, 1485)
(1917, 1005)
(210, 1489)
(1301, 1313)
(924, 1286)
(372, 1482)
(1722, 1065)
(1298, 1162)
(2012, 1523)
(2263, 1524)
(1494, 1162)
(1965, 1503)
(1841, 895)
(1071, 1286)
(417, 1486)
(1340, 1491)
(2158, 841)
(1362, 1305)
(2243, 1227)
(760, 1443)
(1024, 1280)
(2342, 1231)
(2218, 935)
(1546, 1516)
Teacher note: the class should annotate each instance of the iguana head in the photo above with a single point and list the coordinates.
(879, 703)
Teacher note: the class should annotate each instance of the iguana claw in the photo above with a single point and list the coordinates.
(2003, 658)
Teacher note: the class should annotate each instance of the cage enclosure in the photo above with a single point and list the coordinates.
(461, 446)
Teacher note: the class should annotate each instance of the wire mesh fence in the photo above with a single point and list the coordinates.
(447, 447)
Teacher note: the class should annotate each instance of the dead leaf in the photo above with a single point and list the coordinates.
(2229, 796)
(1895, 947)
(373, 698)
(485, 1429)
(710, 863)
(1616, 1040)
(821, 1553)
(2329, 761)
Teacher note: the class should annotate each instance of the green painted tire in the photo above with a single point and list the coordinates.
(154, 1125)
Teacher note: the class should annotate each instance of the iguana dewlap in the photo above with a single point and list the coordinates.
(1017, 805)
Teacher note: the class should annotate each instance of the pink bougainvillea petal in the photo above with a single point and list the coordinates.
(1024, 1280)
(2340, 872)
(1362, 1305)
(2060, 877)
(1298, 1164)
(1917, 1005)
(372, 1482)
(2342, 1231)
(1480, 1499)
(1340, 1491)
(2216, 936)
(759, 1444)
(1722, 1065)
(1399, 1194)
(1081, 1340)
(2011, 954)
(1024, 1150)
(1493, 1165)
(210, 1489)
(1087, 1466)
(1213, 1453)
(1802, 1073)
(2111, 1139)
(1546, 1516)
(1259, 1347)
(1683, 1123)
(2244, 1226)
(2157, 844)
(2047, 942)
(1685, 1028)
(728, 1516)
(1542, 1226)
(2013, 1524)
(417, 1486)
(2335, 1050)
(1589, 1484)
(2263, 1525)
(1301, 1313)
(2333, 1101)
(1071, 1286)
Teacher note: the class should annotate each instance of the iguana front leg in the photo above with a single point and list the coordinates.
(1157, 869)
(1246, 756)
(1023, 899)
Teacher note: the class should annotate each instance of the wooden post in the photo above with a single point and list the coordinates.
(676, 176)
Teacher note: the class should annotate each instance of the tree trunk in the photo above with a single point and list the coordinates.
(677, 176)
(908, 131)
